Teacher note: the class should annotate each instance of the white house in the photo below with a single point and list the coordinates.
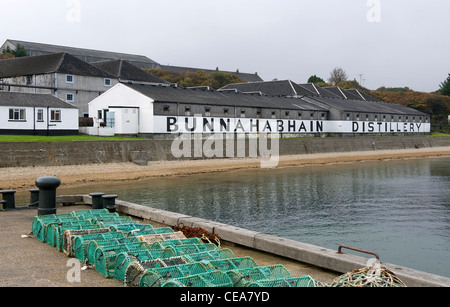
(36, 114)
(120, 111)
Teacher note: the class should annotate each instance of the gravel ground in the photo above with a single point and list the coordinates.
(22, 179)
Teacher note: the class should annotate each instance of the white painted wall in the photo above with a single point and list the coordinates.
(69, 119)
(124, 98)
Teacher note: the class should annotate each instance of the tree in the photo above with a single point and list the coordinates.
(20, 51)
(5, 55)
(337, 75)
(16, 53)
(445, 87)
(315, 79)
(215, 79)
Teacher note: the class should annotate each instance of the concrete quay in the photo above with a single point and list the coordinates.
(27, 262)
(319, 257)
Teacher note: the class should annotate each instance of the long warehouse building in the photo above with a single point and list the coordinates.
(156, 111)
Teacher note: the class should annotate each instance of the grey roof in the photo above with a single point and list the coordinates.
(244, 76)
(320, 91)
(344, 94)
(125, 71)
(271, 88)
(348, 105)
(16, 99)
(361, 95)
(171, 94)
(51, 63)
(85, 54)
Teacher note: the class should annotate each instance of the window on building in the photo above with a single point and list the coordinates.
(226, 111)
(312, 115)
(348, 116)
(110, 119)
(207, 111)
(40, 115)
(286, 114)
(242, 113)
(357, 116)
(55, 115)
(69, 78)
(258, 114)
(108, 82)
(17, 114)
(367, 117)
(299, 114)
(322, 115)
(29, 80)
(274, 115)
(187, 111)
(100, 114)
(70, 97)
(166, 108)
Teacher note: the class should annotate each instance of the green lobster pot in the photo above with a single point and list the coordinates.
(94, 244)
(81, 243)
(136, 269)
(232, 264)
(39, 220)
(61, 232)
(158, 276)
(70, 236)
(175, 242)
(208, 279)
(244, 277)
(124, 260)
(297, 282)
(224, 253)
(55, 231)
(93, 213)
(188, 249)
(42, 226)
(106, 256)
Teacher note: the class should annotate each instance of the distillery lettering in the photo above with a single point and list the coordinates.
(385, 127)
(248, 125)
(198, 124)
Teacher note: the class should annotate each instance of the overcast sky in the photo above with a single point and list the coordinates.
(392, 43)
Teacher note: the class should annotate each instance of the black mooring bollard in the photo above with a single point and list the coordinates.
(47, 194)
(109, 202)
(97, 202)
(34, 198)
(9, 199)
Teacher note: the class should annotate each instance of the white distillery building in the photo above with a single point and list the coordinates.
(36, 114)
(162, 110)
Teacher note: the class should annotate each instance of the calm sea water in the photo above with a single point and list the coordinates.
(399, 209)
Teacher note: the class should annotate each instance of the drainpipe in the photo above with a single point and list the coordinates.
(56, 84)
(48, 121)
(34, 120)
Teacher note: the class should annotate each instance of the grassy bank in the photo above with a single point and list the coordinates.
(71, 138)
(86, 138)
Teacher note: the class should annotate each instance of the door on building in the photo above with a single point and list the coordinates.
(130, 121)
